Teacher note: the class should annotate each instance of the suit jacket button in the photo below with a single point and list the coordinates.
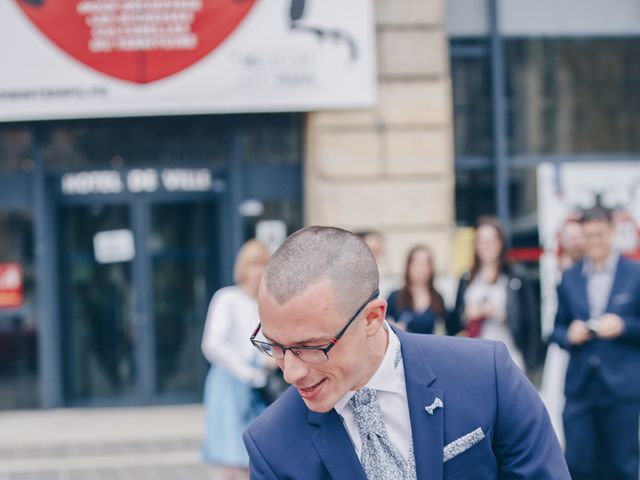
(594, 361)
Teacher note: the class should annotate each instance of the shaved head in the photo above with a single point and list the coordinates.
(322, 253)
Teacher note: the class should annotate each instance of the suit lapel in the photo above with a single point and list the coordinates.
(334, 446)
(427, 430)
(616, 286)
(581, 293)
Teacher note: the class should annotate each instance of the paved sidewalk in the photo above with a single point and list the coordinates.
(93, 444)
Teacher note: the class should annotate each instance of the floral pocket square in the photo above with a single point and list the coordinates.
(463, 444)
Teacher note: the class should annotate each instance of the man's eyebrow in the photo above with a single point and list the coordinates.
(308, 341)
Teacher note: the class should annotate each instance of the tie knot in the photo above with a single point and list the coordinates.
(363, 397)
(367, 412)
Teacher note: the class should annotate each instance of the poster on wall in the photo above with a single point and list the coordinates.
(95, 58)
(565, 189)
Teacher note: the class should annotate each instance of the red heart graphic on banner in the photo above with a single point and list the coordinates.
(140, 41)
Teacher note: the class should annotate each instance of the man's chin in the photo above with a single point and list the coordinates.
(317, 407)
(319, 404)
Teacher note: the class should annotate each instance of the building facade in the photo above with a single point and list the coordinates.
(123, 225)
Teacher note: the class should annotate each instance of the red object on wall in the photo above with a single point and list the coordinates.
(140, 41)
(11, 285)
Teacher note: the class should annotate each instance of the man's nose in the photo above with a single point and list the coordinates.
(293, 368)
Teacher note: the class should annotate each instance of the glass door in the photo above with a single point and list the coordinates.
(136, 281)
(182, 246)
(98, 334)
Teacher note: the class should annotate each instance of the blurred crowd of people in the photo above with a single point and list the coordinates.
(494, 298)
(597, 323)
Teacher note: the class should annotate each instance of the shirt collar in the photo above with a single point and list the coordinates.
(609, 265)
(390, 374)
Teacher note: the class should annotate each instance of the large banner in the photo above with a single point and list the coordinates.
(565, 189)
(93, 58)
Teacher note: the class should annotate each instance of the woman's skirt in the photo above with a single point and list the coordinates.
(230, 405)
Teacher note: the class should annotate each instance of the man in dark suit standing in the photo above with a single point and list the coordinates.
(598, 322)
(371, 402)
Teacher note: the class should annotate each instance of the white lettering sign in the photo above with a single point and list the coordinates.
(148, 180)
(186, 180)
(139, 180)
(85, 183)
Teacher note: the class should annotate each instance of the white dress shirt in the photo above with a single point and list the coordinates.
(392, 395)
(599, 283)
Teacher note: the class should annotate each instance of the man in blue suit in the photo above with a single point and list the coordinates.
(371, 402)
(598, 322)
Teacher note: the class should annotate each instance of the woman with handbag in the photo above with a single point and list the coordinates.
(495, 299)
(237, 369)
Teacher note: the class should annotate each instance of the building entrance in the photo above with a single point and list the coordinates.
(136, 273)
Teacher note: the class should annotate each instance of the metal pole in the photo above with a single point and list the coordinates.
(499, 126)
(47, 286)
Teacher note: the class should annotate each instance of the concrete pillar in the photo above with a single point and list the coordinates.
(390, 168)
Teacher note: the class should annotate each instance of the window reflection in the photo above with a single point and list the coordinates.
(114, 143)
(475, 195)
(16, 146)
(573, 95)
(471, 82)
(274, 141)
(287, 210)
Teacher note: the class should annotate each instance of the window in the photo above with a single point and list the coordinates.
(573, 96)
(16, 145)
(131, 142)
(471, 82)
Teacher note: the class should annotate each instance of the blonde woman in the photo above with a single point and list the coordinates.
(236, 367)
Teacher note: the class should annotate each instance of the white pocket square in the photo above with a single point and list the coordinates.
(463, 444)
(621, 298)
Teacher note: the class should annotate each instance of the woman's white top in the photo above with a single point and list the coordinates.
(231, 319)
(496, 327)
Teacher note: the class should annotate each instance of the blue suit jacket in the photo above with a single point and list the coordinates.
(479, 386)
(616, 362)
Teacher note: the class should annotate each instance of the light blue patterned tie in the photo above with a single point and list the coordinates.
(380, 460)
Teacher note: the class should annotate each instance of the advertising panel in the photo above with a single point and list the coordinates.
(94, 58)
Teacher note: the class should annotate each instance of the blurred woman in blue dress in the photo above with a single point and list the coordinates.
(237, 368)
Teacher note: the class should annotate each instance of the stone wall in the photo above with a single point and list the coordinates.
(391, 168)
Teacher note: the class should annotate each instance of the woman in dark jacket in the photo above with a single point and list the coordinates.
(417, 305)
(495, 299)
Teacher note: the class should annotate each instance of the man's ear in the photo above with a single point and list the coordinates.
(375, 315)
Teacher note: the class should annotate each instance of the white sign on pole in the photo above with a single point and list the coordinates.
(111, 246)
(103, 58)
(272, 233)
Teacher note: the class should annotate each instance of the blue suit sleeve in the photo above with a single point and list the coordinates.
(259, 469)
(563, 317)
(631, 328)
(525, 443)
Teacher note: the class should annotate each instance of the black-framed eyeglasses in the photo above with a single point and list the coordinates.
(309, 354)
